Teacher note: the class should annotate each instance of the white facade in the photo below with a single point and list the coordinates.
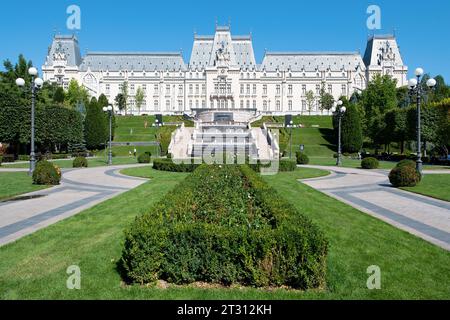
(223, 74)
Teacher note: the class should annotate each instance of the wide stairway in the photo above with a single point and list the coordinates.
(222, 132)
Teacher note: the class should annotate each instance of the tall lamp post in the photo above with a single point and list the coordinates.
(339, 110)
(36, 83)
(415, 88)
(109, 109)
(291, 124)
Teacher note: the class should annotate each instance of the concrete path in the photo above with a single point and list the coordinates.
(370, 192)
(80, 189)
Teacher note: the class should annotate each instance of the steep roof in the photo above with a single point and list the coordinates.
(136, 61)
(311, 61)
(67, 45)
(375, 46)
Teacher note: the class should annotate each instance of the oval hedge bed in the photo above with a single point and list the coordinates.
(224, 224)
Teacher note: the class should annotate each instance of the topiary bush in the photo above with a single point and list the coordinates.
(46, 173)
(169, 165)
(406, 163)
(225, 224)
(370, 163)
(80, 162)
(404, 176)
(144, 158)
(287, 165)
(302, 158)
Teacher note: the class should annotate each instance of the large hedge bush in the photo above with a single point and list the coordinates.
(370, 163)
(46, 173)
(224, 224)
(405, 176)
(80, 162)
(407, 163)
(144, 158)
(302, 158)
(169, 165)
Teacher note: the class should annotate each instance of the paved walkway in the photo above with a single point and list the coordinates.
(80, 189)
(371, 192)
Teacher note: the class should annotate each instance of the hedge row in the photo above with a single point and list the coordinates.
(224, 224)
(169, 165)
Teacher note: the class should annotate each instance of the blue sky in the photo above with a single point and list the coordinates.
(422, 27)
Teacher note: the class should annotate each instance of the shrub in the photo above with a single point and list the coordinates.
(224, 224)
(169, 165)
(46, 173)
(405, 176)
(406, 163)
(370, 163)
(8, 158)
(288, 165)
(302, 158)
(23, 157)
(80, 162)
(144, 158)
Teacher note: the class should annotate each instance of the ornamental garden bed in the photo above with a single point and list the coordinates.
(225, 225)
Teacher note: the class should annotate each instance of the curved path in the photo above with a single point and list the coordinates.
(80, 189)
(371, 192)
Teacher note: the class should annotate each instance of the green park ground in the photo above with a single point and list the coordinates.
(34, 267)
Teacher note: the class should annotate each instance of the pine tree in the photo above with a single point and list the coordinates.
(352, 140)
(94, 126)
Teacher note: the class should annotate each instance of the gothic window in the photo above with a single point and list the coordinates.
(254, 89)
(167, 89)
(290, 89)
(278, 105)
(265, 89)
(248, 89)
(203, 88)
(317, 88)
(191, 89)
(344, 90)
(248, 104)
(330, 89)
(242, 89)
(89, 79)
(156, 105)
(304, 89)
(197, 89)
(265, 105)
(180, 89)
(242, 104)
(167, 105)
(254, 104)
(304, 105)
(278, 88)
(290, 105)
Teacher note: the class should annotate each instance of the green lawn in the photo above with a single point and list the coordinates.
(35, 266)
(93, 162)
(15, 183)
(433, 185)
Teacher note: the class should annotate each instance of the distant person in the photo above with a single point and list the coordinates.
(145, 124)
(129, 153)
(135, 151)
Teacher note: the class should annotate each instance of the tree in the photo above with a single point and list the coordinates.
(310, 99)
(59, 96)
(352, 139)
(103, 102)
(379, 97)
(140, 96)
(94, 126)
(124, 96)
(76, 94)
(120, 102)
(326, 100)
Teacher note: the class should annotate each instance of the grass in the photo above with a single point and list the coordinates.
(35, 266)
(16, 183)
(92, 162)
(433, 185)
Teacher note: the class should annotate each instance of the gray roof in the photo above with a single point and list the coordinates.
(205, 47)
(311, 61)
(133, 61)
(376, 44)
(69, 46)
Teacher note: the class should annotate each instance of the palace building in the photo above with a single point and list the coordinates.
(222, 73)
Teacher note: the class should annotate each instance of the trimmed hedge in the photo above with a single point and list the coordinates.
(405, 176)
(406, 163)
(302, 158)
(80, 162)
(287, 165)
(144, 158)
(169, 165)
(224, 224)
(370, 163)
(46, 173)
(8, 158)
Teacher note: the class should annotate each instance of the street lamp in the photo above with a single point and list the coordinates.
(109, 109)
(415, 88)
(339, 110)
(36, 83)
(291, 124)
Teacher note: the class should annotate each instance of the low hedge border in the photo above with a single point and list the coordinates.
(169, 165)
(176, 242)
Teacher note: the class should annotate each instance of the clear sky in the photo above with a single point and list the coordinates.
(422, 27)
